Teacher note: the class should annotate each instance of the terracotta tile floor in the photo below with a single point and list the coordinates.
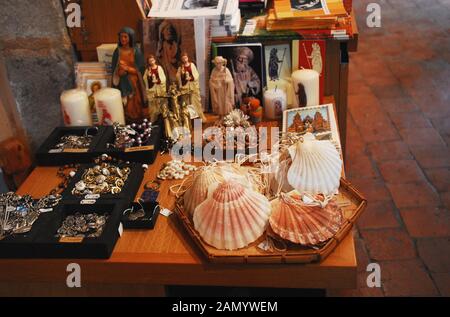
(399, 147)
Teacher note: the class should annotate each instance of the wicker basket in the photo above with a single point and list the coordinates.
(351, 202)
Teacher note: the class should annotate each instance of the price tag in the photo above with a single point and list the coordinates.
(120, 229)
(264, 246)
(88, 202)
(92, 196)
(71, 239)
(76, 150)
(166, 212)
(55, 151)
(336, 32)
(44, 210)
(307, 200)
(140, 148)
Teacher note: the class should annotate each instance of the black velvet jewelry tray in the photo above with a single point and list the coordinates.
(151, 209)
(46, 158)
(21, 246)
(143, 154)
(48, 245)
(127, 194)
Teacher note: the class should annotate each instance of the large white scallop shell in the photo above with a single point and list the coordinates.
(232, 217)
(197, 193)
(305, 225)
(316, 166)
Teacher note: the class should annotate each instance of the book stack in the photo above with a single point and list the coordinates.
(228, 25)
(224, 15)
(252, 5)
(305, 14)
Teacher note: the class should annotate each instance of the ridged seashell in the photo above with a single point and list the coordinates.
(232, 217)
(316, 166)
(197, 193)
(305, 225)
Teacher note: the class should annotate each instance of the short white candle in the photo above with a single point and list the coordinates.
(285, 85)
(75, 108)
(275, 102)
(309, 78)
(108, 102)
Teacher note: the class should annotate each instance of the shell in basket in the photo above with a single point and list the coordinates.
(198, 191)
(232, 217)
(299, 223)
(316, 166)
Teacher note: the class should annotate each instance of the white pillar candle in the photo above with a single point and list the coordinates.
(286, 85)
(75, 108)
(275, 102)
(309, 79)
(108, 102)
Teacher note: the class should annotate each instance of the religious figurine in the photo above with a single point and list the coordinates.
(128, 67)
(165, 112)
(221, 85)
(188, 81)
(176, 117)
(186, 117)
(155, 85)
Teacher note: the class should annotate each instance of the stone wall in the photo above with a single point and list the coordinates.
(38, 58)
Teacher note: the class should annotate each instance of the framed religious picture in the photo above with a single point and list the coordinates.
(310, 54)
(144, 7)
(167, 39)
(320, 120)
(246, 64)
(278, 69)
(92, 77)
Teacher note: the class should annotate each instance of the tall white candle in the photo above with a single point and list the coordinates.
(75, 108)
(108, 102)
(275, 102)
(306, 82)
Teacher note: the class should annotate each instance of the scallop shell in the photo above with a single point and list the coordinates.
(232, 217)
(305, 225)
(197, 193)
(316, 166)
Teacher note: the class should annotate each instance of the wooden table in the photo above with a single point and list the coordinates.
(144, 261)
